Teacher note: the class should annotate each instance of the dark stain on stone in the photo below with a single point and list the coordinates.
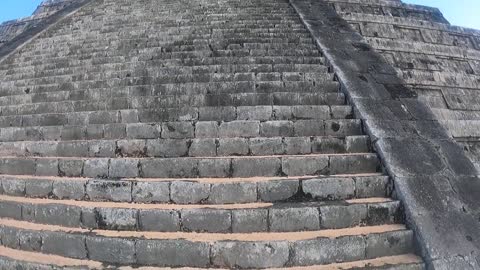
(335, 127)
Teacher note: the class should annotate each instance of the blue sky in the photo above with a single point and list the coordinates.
(459, 12)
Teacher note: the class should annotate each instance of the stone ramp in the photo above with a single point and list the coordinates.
(204, 134)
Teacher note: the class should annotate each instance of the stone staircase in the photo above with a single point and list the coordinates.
(203, 134)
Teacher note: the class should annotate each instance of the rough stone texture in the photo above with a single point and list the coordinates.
(426, 164)
(175, 100)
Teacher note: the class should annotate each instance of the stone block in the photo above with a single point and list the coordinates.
(123, 168)
(240, 129)
(207, 130)
(266, 146)
(159, 220)
(111, 250)
(389, 244)
(173, 253)
(252, 167)
(250, 255)
(329, 188)
(116, 219)
(47, 167)
(249, 220)
(343, 216)
(289, 219)
(142, 131)
(96, 167)
(299, 166)
(207, 220)
(70, 167)
(178, 130)
(215, 168)
(151, 192)
(63, 244)
(203, 148)
(109, 190)
(39, 188)
(184, 192)
(233, 147)
(224, 193)
(327, 250)
(279, 190)
(277, 129)
(69, 189)
(169, 168)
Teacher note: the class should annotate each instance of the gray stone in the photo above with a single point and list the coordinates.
(215, 167)
(184, 192)
(327, 250)
(11, 210)
(109, 190)
(131, 148)
(57, 214)
(266, 146)
(29, 240)
(203, 148)
(207, 130)
(375, 186)
(233, 147)
(251, 167)
(250, 255)
(14, 187)
(167, 148)
(117, 219)
(97, 167)
(354, 164)
(279, 190)
(142, 131)
(260, 113)
(178, 130)
(242, 192)
(102, 149)
(39, 188)
(169, 168)
(151, 192)
(206, 220)
(277, 129)
(299, 166)
(286, 219)
(309, 128)
(343, 216)
(47, 167)
(241, 129)
(123, 168)
(111, 250)
(249, 220)
(159, 220)
(173, 253)
(330, 188)
(70, 167)
(389, 244)
(63, 244)
(69, 189)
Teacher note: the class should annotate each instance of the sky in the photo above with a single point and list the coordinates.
(458, 12)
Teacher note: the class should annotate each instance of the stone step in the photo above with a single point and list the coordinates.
(199, 190)
(57, 128)
(162, 79)
(51, 66)
(208, 147)
(148, 129)
(215, 167)
(19, 259)
(260, 250)
(30, 112)
(166, 95)
(220, 218)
